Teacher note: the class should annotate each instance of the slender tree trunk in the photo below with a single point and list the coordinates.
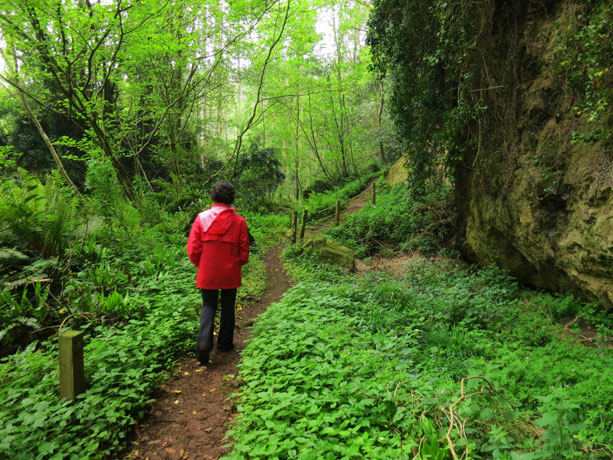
(379, 117)
(313, 141)
(258, 99)
(139, 166)
(39, 127)
(356, 170)
(103, 141)
(340, 123)
(264, 132)
(43, 134)
(297, 147)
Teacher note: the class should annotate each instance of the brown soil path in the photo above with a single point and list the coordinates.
(190, 417)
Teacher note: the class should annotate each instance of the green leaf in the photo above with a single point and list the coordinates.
(46, 448)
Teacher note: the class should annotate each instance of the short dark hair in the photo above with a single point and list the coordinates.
(222, 192)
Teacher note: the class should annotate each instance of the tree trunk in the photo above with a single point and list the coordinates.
(379, 116)
(296, 147)
(43, 134)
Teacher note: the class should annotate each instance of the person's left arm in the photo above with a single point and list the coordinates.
(243, 243)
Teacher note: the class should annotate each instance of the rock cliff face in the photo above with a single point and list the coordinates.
(531, 200)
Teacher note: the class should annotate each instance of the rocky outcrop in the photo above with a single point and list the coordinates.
(397, 173)
(532, 201)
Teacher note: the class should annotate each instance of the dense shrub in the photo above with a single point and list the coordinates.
(38, 217)
(398, 221)
(322, 205)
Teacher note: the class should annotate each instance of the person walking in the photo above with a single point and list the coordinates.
(218, 245)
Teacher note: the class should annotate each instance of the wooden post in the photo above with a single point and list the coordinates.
(374, 194)
(294, 226)
(72, 374)
(303, 225)
(337, 213)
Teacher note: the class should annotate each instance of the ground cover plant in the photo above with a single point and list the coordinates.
(117, 270)
(64, 257)
(125, 113)
(445, 361)
(134, 299)
(322, 205)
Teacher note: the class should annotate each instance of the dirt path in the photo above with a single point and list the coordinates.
(190, 417)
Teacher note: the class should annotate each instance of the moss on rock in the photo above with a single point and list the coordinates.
(331, 252)
(398, 172)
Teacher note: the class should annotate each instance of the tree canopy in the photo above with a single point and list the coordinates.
(178, 89)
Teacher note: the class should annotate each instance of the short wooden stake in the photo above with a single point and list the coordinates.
(337, 213)
(72, 373)
(374, 194)
(294, 226)
(303, 224)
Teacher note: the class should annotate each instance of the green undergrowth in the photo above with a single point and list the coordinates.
(398, 221)
(265, 229)
(323, 205)
(138, 306)
(441, 357)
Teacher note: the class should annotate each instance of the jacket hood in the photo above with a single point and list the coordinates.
(222, 223)
(217, 220)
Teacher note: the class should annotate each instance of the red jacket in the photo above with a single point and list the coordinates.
(218, 245)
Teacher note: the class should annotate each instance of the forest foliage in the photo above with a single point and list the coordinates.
(115, 119)
(182, 90)
(456, 68)
(442, 360)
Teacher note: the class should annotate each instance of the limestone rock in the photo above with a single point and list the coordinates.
(398, 172)
(531, 200)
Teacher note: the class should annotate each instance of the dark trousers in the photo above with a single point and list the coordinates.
(207, 319)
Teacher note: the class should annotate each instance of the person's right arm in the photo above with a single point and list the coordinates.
(194, 243)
